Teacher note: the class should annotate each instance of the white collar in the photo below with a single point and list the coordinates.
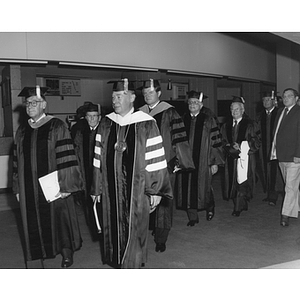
(195, 114)
(151, 107)
(130, 118)
(289, 108)
(268, 112)
(124, 119)
(237, 121)
(40, 118)
(93, 128)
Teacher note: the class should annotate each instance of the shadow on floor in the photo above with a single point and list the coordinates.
(253, 240)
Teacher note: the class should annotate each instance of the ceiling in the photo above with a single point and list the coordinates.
(54, 70)
(291, 36)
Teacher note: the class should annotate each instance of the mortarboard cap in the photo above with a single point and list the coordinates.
(238, 99)
(87, 106)
(198, 95)
(122, 85)
(91, 107)
(271, 94)
(150, 83)
(33, 91)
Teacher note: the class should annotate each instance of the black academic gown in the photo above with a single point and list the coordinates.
(48, 227)
(267, 168)
(247, 131)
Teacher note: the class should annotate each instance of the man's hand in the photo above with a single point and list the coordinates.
(296, 160)
(214, 169)
(176, 169)
(154, 201)
(236, 146)
(96, 198)
(18, 197)
(64, 195)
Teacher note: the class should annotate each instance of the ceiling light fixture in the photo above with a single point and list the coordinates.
(107, 66)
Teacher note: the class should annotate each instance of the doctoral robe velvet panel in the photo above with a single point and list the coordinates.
(48, 227)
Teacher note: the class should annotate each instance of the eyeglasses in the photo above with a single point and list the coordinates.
(32, 103)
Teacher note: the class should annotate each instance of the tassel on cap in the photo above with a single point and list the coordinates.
(38, 91)
(125, 85)
(201, 97)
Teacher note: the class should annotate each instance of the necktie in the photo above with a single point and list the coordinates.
(284, 114)
(234, 131)
(273, 149)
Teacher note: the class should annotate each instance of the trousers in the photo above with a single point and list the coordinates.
(291, 176)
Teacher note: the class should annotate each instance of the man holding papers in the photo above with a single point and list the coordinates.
(44, 157)
(241, 140)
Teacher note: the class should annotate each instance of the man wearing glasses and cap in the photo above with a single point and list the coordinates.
(178, 153)
(241, 140)
(194, 190)
(43, 146)
(130, 177)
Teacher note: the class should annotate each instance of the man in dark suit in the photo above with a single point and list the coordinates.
(286, 148)
(265, 120)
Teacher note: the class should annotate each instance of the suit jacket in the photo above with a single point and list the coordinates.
(288, 135)
(266, 141)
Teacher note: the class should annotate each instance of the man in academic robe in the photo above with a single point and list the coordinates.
(241, 140)
(84, 142)
(43, 145)
(268, 168)
(130, 177)
(194, 189)
(178, 153)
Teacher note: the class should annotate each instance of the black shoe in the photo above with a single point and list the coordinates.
(192, 223)
(209, 215)
(160, 247)
(236, 213)
(67, 260)
(284, 222)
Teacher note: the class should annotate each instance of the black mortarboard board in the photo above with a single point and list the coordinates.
(271, 94)
(238, 99)
(195, 94)
(92, 107)
(33, 91)
(150, 83)
(80, 112)
(87, 106)
(122, 85)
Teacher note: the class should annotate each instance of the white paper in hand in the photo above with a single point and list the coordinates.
(50, 186)
(96, 217)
